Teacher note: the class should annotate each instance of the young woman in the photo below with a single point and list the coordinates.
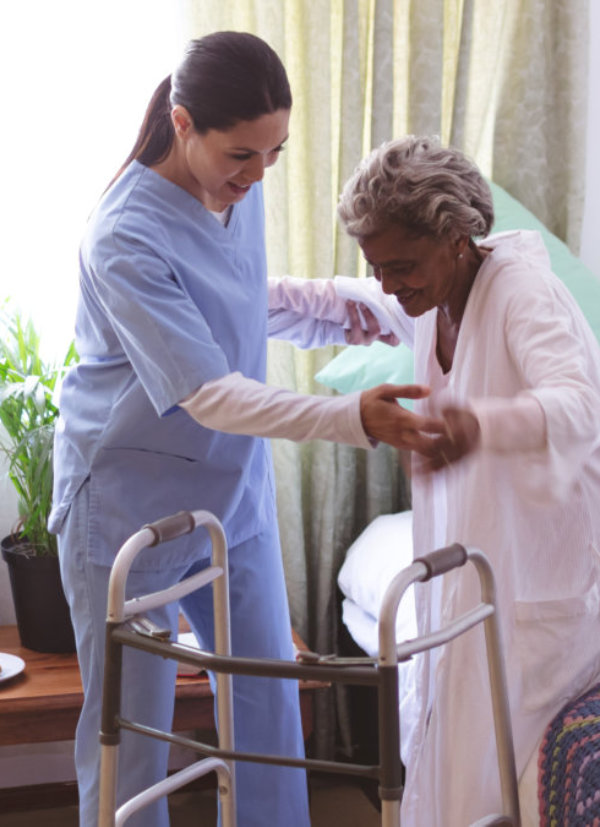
(167, 407)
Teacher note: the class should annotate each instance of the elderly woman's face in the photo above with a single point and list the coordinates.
(420, 271)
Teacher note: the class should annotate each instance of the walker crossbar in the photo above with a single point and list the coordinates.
(382, 674)
(138, 605)
(174, 782)
(456, 627)
(319, 765)
(263, 667)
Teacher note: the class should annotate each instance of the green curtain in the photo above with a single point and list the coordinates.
(505, 81)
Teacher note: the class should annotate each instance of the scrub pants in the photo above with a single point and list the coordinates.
(266, 710)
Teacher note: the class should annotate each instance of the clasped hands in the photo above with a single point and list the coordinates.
(439, 441)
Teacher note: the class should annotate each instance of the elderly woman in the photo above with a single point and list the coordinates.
(514, 372)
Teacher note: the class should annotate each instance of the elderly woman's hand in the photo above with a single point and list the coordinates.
(359, 335)
(460, 437)
(384, 419)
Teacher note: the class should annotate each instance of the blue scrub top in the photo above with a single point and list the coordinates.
(169, 299)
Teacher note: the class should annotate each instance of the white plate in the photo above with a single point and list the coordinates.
(11, 666)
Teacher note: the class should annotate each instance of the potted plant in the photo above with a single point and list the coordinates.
(27, 415)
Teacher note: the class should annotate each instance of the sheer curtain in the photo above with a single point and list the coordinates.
(504, 81)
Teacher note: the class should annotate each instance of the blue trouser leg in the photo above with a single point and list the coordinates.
(266, 710)
(148, 681)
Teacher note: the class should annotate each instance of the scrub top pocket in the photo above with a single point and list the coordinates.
(130, 488)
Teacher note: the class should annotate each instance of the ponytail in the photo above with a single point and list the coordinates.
(156, 133)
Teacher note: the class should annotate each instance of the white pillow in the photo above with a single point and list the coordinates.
(383, 549)
(364, 629)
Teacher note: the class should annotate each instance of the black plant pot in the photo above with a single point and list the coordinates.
(43, 618)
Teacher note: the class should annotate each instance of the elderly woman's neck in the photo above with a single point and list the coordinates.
(467, 267)
(450, 314)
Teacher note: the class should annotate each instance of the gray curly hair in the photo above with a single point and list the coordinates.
(414, 181)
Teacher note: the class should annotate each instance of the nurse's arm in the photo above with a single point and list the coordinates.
(236, 404)
(310, 313)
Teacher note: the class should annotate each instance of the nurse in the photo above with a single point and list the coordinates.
(168, 410)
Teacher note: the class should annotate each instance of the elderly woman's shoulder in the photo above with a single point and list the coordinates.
(520, 280)
(518, 245)
(519, 255)
(519, 266)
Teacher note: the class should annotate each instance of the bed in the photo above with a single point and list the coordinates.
(562, 779)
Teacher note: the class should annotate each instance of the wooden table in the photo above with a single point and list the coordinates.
(43, 702)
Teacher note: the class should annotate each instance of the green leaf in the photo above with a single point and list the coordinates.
(28, 415)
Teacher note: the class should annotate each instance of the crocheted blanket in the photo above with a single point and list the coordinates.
(569, 765)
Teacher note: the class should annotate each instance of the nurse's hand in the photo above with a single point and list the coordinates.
(461, 436)
(359, 335)
(384, 419)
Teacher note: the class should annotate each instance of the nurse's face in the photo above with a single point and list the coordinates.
(219, 167)
(420, 271)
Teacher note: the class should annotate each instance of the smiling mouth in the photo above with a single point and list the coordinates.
(404, 296)
(238, 188)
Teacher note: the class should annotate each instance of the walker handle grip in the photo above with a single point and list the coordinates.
(443, 560)
(168, 528)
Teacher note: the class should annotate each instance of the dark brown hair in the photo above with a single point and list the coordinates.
(224, 78)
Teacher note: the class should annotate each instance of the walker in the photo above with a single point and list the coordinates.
(126, 626)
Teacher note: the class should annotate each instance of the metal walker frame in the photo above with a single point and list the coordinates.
(126, 626)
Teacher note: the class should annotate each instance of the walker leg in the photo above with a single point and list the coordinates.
(390, 814)
(391, 773)
(108, 785)
(110, 735)
(227, 795)
(222, 625)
